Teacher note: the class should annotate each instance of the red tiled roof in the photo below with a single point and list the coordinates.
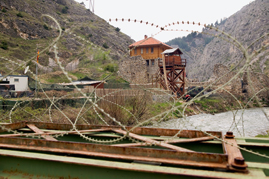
(148, 42)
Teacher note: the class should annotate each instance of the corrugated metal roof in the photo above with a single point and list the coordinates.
(171, 51)
(17, 76)
(80, 83)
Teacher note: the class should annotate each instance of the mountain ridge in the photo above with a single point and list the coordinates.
(204, 51)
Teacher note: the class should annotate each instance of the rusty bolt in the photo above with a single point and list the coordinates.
(229, 135)
(239, 160)
(239, 163)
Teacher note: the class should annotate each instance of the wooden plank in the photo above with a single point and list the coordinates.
(150, 141)
(38, 131)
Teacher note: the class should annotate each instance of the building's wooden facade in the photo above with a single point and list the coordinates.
(148, 48)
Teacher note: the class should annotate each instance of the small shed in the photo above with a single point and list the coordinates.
(19, 81)
(173, 57)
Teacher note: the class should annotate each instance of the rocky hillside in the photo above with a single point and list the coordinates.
(203, 51)
(23, 30)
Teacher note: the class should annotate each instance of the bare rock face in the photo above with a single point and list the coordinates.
(246, 26)
(64, 54)
(222, 75)
(249, 83)
(62, 2)
(256, 83)
(72, 65)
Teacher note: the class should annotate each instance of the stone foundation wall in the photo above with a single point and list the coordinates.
(133, 70)
(136, 70)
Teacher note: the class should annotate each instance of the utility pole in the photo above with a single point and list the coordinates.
(91, 5)
(36, 70)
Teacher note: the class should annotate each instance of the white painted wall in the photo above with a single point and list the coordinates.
(20, 82)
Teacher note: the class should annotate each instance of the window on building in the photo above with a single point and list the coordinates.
(141, 50)
(16, 79)
(147, 62)
(152, 62)
(135, 51)
(147, 50)
(152, 49)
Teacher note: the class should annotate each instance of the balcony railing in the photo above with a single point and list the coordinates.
(173, 62)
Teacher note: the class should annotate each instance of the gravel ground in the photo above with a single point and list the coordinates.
(253, 122)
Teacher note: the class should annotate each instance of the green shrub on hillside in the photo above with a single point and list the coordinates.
(65, 10)
(46, 27)
(4, 45)
(208, 39)
(105, 45)
(117, 29)
(110, 68)
(19, 14)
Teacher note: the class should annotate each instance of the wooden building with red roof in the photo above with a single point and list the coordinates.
(148, 48)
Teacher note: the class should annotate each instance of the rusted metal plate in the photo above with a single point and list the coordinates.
(53, 133)
(143, 154)
(57, 162)
(171, 154)
(13, 126)
(235, 158)
(150, 141)
(38, 131)
(138, 130)
(200, 139)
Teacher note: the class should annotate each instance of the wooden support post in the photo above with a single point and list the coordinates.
(164, 72)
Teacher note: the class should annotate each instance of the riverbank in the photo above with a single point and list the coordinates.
(249, 123)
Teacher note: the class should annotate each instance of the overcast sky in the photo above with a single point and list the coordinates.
(162, 12)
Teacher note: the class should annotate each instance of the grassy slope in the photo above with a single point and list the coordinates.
(95, 60)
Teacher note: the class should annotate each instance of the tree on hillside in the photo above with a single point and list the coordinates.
(199, 35)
